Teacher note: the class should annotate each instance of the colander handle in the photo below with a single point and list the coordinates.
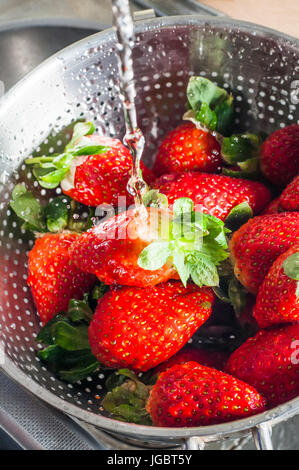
(194, 443)
(262, 436)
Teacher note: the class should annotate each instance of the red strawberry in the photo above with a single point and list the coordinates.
(192, 395)
(269, 362)
(272, 208)
(257, 244)
(100, 179)
(53, 277)
(289, 199)
(139, 328)
(280, 155)
(277, 300)
(188, 148)
(111, 251)
(204, 357)
(214, 194)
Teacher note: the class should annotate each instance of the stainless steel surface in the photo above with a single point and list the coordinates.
(33, 425)
(258, 65)
(32, 30)
(194, 443)
(22, 49)
(262, 436)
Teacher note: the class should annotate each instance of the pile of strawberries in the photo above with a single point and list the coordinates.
(160, 291)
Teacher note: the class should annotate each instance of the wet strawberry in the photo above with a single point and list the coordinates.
(101, 179)
(289, 199)
(111, 251)
(277, 300)
(139, 328)
(269, 362)
(257, 244)
(190, 394)
(272, 208)
(53, 277)
(214, 194)
(188, 148)
(280, 155)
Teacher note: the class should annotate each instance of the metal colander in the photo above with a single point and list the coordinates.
(261, 69)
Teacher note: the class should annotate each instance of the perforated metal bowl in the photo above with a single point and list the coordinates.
(258, 65)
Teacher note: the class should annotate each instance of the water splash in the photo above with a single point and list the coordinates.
(134, 139)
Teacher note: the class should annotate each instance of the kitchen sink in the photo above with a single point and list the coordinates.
(22, 49)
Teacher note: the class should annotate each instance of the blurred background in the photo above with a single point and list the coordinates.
(31, 31)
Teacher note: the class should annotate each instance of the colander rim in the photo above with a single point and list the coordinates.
(277, 414)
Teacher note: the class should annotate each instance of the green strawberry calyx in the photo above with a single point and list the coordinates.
(51, 170)
(238, 216)
(66, 349)
(61, 213)
(195, 244)
(127, 397)
(241, 152)
(291, 269)
(210, 107)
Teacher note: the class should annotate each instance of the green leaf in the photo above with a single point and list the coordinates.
(80, 130)
(85, 147)
(80, 372)
(203, 270)
(45, 335)
(127, 400)
(62, 161)
(181, 266)
(69, 337)
(225, 115)
(248, 169)
(212, 250)
(27, 208)
(79, 311)
(67, 351)
(240, 147)
(238, 216)
(154, 256)
(153, 198)
(187, 225)
(201, 90)
(114, 380)
(181, 205)
(69, 366)
(51, 354)
(51, 170)
(207, 117)
(291, 266)
(57, 213)
(99, 290)
(197, 244)
(212, 105)
(18, 191)
(214, 228)
(52, 179)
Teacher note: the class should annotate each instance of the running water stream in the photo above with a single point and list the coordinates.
(133, 139)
